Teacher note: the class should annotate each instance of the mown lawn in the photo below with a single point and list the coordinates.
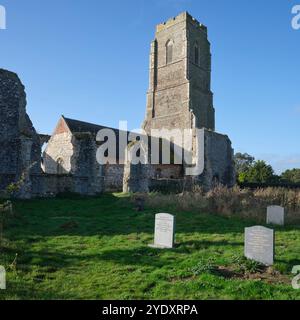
(97, 248)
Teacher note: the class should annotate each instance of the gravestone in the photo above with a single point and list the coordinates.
(2, 278)
(164, 233)
(275, 215)
(259, 244)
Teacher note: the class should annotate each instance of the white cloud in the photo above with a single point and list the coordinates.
(281, 163)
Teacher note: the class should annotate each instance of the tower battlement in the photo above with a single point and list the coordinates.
(179, 94)
(184, 16)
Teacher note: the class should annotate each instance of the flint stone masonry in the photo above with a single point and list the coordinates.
(179, 94)
(136, 177)
(164, 233)
(275, 215)
(72, 151)
(20, 152)
(259, 244)
(179, 97)
(218, 162)
(218, 169)
(113, 177)
(50, 185)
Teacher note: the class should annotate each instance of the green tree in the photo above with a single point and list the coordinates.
(243, 162)
(291, 176)
(260, 172)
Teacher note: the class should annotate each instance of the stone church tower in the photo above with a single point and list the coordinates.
(180, 94)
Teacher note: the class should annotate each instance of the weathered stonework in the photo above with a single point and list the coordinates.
(179, 93)
(113, 177)
(60, 146)
(179, 97)
(218, 162)
(20, 152)
(136, 176)
(73, 152)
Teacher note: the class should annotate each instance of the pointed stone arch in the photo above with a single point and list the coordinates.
(169, 51)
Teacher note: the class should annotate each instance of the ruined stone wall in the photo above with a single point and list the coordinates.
(60, 146)
(75, 154)
(20, 152)
(179, 97)
(218, 162)
(50, 185)
(84, 155)
(113, 177)
(84, 162)
(6, 180)
(166, 171)
(218, 169)
(136, 177)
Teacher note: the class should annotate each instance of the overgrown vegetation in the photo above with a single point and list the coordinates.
(6, 212)
(235, 202)
(97, 248)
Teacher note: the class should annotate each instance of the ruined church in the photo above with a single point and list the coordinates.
(179, 97)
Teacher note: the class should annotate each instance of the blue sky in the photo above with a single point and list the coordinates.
(88, 60)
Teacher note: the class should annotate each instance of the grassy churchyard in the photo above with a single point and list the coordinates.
(97, 248)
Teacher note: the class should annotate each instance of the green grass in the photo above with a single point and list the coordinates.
(97, 248)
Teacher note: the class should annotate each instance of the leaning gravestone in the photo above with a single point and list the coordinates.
(164, 233)
(275, 215)
(259, 245)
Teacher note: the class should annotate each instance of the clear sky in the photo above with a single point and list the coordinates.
(88, 60)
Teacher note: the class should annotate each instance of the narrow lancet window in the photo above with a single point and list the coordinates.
(169, 51)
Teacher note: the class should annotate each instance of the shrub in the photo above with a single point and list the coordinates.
(245, 265)
(6, 211)
(204, 267)
(245, 203)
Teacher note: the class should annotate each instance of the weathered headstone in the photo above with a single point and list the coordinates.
(259, 244)
(275, 215)
(2, 278)
(164, 233)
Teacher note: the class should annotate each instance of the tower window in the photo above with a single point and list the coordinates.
(169, 51)
(196, 54)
